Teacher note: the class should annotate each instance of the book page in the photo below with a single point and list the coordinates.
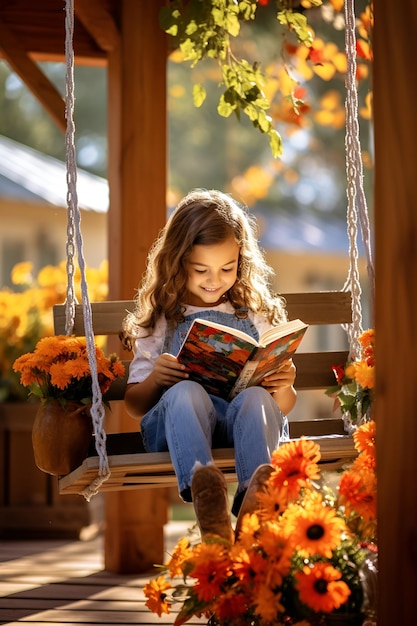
(280, 331)
(270, 358)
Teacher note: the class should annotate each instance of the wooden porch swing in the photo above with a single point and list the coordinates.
(131, 467)
(118, 461)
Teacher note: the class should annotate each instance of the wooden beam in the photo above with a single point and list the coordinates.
(396, 307)
(321, 307)
(99, 23)
(29, 72)
(134, 537)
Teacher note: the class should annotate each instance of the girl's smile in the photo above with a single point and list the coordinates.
(212, 271)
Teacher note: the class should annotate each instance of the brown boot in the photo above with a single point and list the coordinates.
(211, 503)
(250, 502)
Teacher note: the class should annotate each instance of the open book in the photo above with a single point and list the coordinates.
(225, 360)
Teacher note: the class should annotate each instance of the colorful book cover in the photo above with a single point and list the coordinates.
(214, 358)
(225, 363)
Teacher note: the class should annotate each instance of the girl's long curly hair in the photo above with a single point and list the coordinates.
(202, 217)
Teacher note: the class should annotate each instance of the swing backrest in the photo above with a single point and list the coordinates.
(314, 369)
(131, 467)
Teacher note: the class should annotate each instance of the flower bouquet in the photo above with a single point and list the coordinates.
(355, 383)
(300, 559)
(58, 369)
(58, 373)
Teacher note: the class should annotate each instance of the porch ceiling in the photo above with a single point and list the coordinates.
(35, 31)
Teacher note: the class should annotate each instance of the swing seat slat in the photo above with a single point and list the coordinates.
(133, 468)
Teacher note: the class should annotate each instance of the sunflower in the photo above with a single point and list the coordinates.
(319, 587)
(157, 598)
(315, 529)
(272, 502)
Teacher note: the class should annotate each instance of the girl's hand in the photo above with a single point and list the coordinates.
(281, 378)
(168, 371)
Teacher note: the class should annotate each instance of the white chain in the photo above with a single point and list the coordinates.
(355, 192)
(74, 230)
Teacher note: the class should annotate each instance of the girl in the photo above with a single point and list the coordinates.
(206, 263)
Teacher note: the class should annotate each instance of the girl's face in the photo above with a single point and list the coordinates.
(212, 271)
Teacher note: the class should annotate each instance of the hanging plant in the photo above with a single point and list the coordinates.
(204, 30)
(207, 30)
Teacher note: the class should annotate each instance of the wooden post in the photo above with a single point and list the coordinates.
(137, 175)
(396, 307)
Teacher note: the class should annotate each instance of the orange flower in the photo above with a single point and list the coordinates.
(231, 606)
(248, 566)
(365, 438)
(357, 491)
(210, 566)
(320, 588)
(59, 369)
(78, 367)
(315, 529)
(295, 463)
(367, 338)
(249, 527)
(364, 462)
(59, 377)
(272, 502)
(181, 554)
(365, 375)
(155, 592)
(288, 547)
(267, 604)
(272, 542)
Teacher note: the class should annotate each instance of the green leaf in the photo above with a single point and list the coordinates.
(298, 23)
(225, 109)
(191, 28)
(189, 51)
(231, 97)
(247, 9)
(275, 143)
(265, 123)
(233, 25)
(199, 95)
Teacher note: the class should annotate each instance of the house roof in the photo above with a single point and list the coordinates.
(28, 174)
(35, 177)
(306, 232)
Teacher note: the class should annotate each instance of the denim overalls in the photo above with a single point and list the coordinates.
(189, 422)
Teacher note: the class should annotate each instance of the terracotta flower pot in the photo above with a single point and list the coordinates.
(61, 436)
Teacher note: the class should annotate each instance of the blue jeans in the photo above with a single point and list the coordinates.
(188, 422)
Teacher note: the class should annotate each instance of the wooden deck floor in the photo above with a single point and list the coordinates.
(48, 583)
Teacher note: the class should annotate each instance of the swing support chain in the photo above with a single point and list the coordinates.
(75, 245)
(357, 205)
